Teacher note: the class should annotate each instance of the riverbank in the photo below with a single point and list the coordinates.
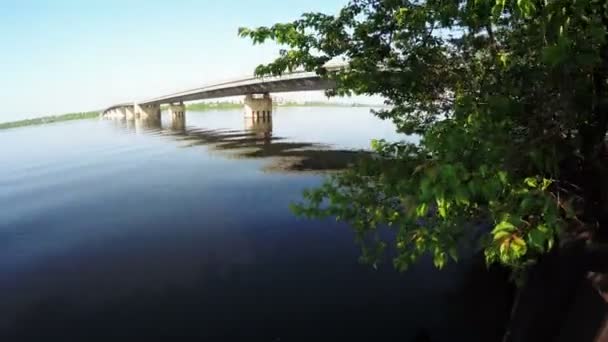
(49, 119)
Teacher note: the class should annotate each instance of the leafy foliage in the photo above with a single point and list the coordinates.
(510, 100)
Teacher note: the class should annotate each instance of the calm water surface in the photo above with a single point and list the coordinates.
(140, 231)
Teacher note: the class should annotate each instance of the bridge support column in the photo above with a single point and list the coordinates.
(116, 113)
(177, 111)
(149, 112)
(130, 112)
(258, 107)
(178, 116)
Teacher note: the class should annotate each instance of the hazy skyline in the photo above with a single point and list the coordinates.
(64, 56)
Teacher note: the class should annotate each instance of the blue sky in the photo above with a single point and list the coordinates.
(75, 55)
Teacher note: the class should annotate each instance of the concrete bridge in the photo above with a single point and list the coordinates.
(256, 90)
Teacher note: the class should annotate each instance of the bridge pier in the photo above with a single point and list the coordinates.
(116, 113)
(178, 123)
(177, 110)
(130, 112)
(178, 116)
(148, 112)
(258, 107)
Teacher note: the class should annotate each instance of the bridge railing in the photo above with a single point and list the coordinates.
(236, 83)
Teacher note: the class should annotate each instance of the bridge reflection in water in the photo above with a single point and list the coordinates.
(260, 126)
(255, 140)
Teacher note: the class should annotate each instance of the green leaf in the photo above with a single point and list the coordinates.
(550, 243)
(420, 243)
(500, 235)
(442, 207)
(557, 54)
(375, 144)
(422, 210)
(538, 238)
(490, 255)
(453, 253)
(527, 203)
(498, 8)
(426, 188)
(518, 246)
(439, 259)
(503, 177)
(504, 226)
(483, 170)
(504, 251)
(546, 183)
(526, 7)
(503, 57)
(531, 182)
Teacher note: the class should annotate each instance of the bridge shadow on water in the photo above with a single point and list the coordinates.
(255, 141)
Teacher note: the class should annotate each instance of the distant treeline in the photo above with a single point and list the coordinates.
(218, 105)
(202, 106)
(323, 104)
(49, 119)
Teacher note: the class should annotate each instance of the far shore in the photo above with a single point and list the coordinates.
(49, 119)
(223, 105)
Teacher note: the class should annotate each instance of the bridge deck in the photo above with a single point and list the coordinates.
(297, 81)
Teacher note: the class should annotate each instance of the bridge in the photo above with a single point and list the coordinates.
(256, 90)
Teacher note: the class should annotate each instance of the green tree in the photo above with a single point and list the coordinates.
(509, 98)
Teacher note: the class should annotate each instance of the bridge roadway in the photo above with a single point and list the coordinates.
(291, 82)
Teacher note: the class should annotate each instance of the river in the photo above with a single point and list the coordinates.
(117, 230)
